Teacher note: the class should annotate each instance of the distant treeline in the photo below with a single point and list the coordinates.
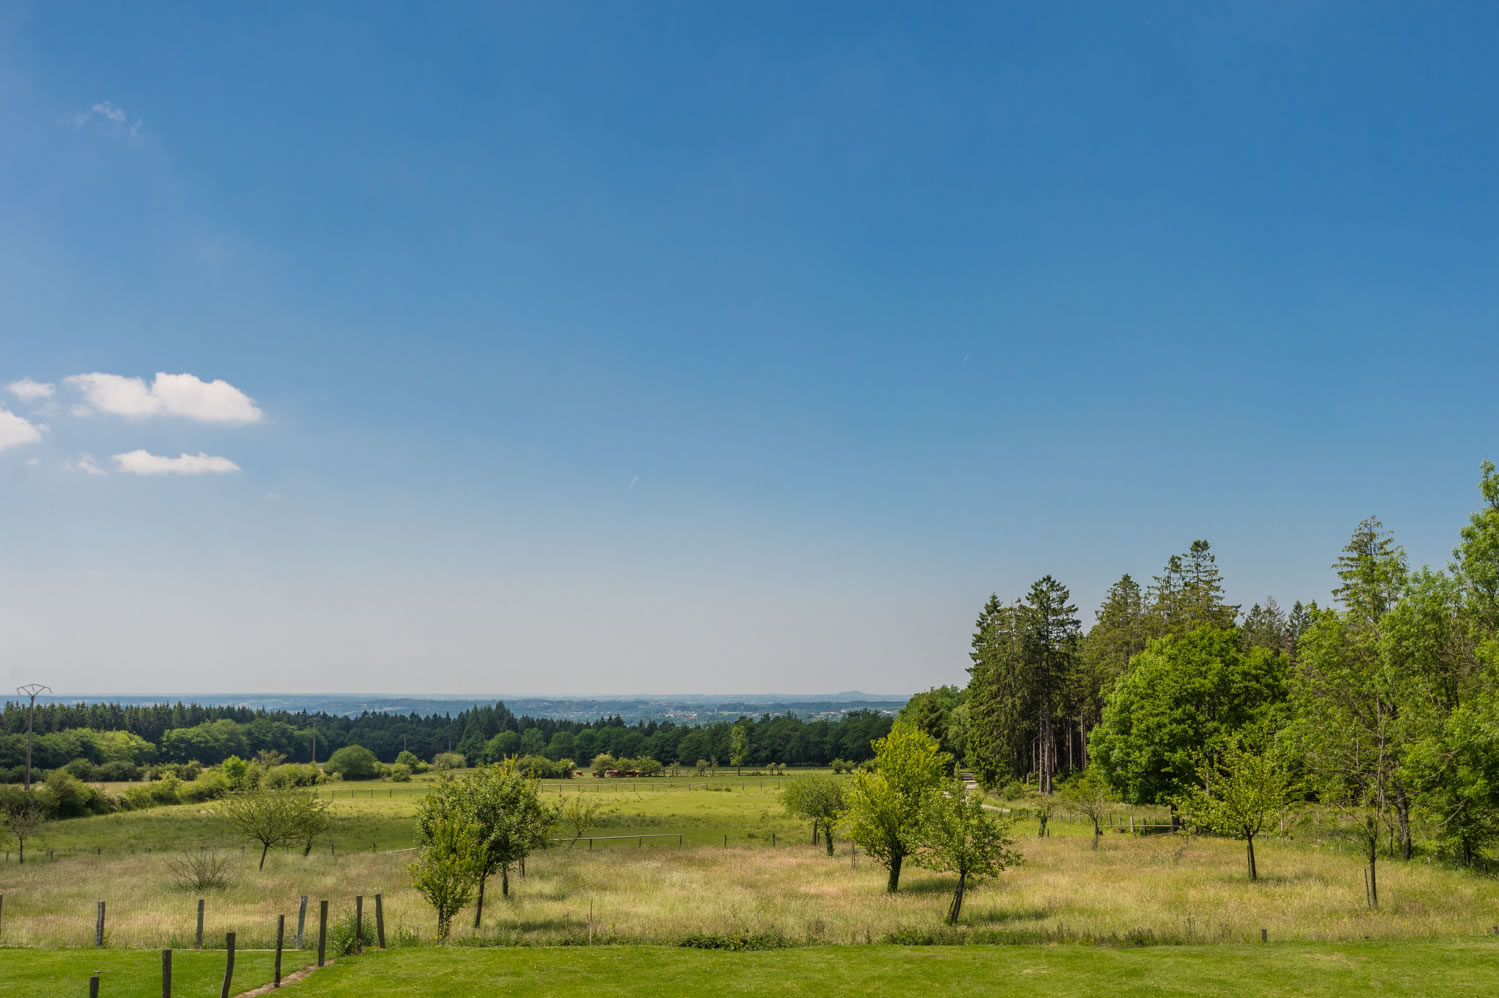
(134, 735)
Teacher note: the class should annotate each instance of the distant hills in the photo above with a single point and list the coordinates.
(681, 708)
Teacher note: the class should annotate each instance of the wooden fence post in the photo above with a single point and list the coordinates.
(93, 985)
(280, 939)
(359, 923)
(322, 931)
(166, 973)
(301, 919)
(2, 913)
(379, 921)
(99, 926)
(1264, 935)
(199, 944)
(228, 964)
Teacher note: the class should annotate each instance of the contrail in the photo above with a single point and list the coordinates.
(966, 356)
(630, 486)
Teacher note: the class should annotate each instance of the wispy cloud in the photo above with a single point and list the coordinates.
(169, 394)
(16, 431)
(87, 465)
(631, 485)
(108, 114)
(140, 462)
(30, 391)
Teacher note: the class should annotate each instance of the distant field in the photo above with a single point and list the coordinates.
(1425, 968)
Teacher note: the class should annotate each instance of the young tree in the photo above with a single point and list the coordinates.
(819, 798)
(353, 762)
(1477, 558)
(506, 811)
(274, 816)
(1240, 792)
(958, 835)
(580, 812)
(22, 815)
(885, 806)
(1088, 795)
(738, 747)
(448, 866)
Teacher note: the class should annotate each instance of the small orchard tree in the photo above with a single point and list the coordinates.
(580, 812)
(22, 815)
(958, 835)
(820, 799)
(275, 817)
(885, 805)
(446, 872)
(1239, 794)
(507, 812)
(603, 763)
(1087, 795)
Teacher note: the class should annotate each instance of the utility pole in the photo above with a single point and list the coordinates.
(31, 690)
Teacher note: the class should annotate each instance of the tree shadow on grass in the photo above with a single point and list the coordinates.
(1004, 915)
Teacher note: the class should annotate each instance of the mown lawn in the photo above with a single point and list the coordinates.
(1425, 968)
(31, 973)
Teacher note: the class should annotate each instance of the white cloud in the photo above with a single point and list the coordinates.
(16, 431)
(30, 391)
(109, 115)
(139, 462)
(87, 465)
(169, 394)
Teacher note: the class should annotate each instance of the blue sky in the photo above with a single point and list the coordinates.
(714, 347)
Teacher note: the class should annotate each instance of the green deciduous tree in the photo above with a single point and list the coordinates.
(22, 815)
(447, 870)
(1239, 792)
(958, 835)
(275, 816)
(353, 762)
(1088, 795)
(1181, 700)
(885, 806)
(820, 799)
(739, 747)
(580, 812)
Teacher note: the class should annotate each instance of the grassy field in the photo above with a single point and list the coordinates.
(1132, 890)
(137, 973)
(1426, 968)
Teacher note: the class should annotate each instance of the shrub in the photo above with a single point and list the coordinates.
(211, 784)
(118, 771)
(354, 762)
(400, 773)
(411, 762)
(602, 763)
(449, 760)
(842, 766)
(80, 769)
(738, 941)
(200, 870)
(66, 796)
(341, 936)
(291, 774)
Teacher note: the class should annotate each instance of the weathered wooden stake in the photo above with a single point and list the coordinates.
(379, 921)
(358, 923)
(590, 921)
(280, 940)
(1264, 935)
(301, 919)
(1132, 824)
(93, 985)
(99, 927)
(199, 944)
(322, 931)
(772, 840)
(228, 964)
(2, 913)
(166, 973)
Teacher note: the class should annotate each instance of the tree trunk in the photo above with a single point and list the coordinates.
(265, 848)
(1403, 812)
(894, 883)
(828, 834)
(814, 833)
(1249, 840)
(957, 901)
(1373, 883)
(479, 907)
(1096, 833)
(505, 880)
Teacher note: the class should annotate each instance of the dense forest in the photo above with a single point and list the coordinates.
(1382, 706)
(121, 739)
